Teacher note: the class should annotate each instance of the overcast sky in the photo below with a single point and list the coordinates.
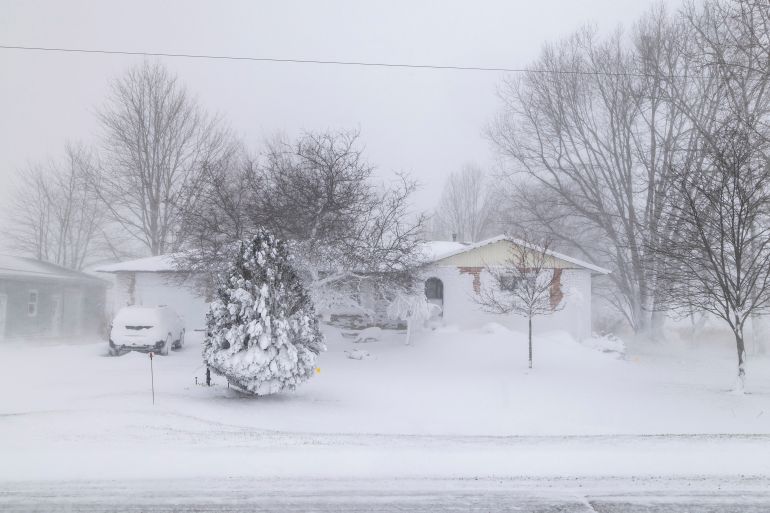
(427, 122)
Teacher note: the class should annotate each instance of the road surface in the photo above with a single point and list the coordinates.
(516, 495)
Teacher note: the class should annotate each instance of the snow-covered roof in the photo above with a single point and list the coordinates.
(463, 248)
(22, 267)
(153, 264)
(433, 250)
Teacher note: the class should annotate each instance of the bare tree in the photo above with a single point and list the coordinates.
(317, 187)
(526, 284)
(465, 208)
(346, 230)
(732, 41)
(719, 259)
(157, 142)
(56, 215)
(214, 220)
(525, 206)
(727, 175)
(601, 141)
(320, 192)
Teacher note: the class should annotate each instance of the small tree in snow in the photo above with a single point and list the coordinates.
(526, 284)
(262, 331)
(718, 261)
(412, 308)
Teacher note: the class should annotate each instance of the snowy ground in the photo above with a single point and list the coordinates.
(454, 405)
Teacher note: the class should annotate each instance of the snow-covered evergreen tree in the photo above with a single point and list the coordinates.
(262, 331)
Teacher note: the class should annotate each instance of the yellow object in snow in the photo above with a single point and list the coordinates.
(318, 370)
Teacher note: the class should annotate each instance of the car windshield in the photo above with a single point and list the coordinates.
(137, 318)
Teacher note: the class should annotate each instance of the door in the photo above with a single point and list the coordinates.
(3, 308)
(434, 293)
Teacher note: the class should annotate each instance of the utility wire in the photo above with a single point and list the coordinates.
(330, 62)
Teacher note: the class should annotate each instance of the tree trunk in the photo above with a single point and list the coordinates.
(696, 324)
(408, 331)
(641, 324)
(657, 322)
(530, 341)
(741, 382)
(643, 319)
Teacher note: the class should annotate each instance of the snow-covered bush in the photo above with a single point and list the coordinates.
(413, 308)
(606, 344)
(262, 332)
(372, 334)
(358, 354)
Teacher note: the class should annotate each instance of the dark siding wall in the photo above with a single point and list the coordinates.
(93, 318)
(18, 322)
(81, 308)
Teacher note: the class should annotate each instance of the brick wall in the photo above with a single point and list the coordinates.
(476, 273)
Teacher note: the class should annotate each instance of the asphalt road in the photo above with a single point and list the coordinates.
(403, 503)
(367, 496)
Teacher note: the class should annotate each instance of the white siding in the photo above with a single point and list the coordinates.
(121, 290)
(158, 288)
(461, 309)
(154, 289)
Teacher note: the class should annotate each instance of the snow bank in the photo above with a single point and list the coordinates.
(606, 344)
(453, 403)
(358, 354)
(494, 328)
(372, 334)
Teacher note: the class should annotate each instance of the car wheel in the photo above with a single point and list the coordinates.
(114, 351)
(166, 345)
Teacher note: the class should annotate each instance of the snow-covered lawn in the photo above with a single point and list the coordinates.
(453, 403)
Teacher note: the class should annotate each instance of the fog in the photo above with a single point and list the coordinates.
(426, 122)
(385, 255)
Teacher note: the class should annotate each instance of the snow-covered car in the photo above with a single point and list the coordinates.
(144, 328)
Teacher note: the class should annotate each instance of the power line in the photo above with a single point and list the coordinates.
(328, 62)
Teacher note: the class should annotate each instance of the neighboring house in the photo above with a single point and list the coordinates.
(155, 281)
(41, 300)
(453, 274)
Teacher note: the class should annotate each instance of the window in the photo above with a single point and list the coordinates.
(509, 282)
(32, 303)
(434, 289)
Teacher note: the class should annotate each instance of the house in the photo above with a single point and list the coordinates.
(154, 281)
(41, 300)
(453, 274)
